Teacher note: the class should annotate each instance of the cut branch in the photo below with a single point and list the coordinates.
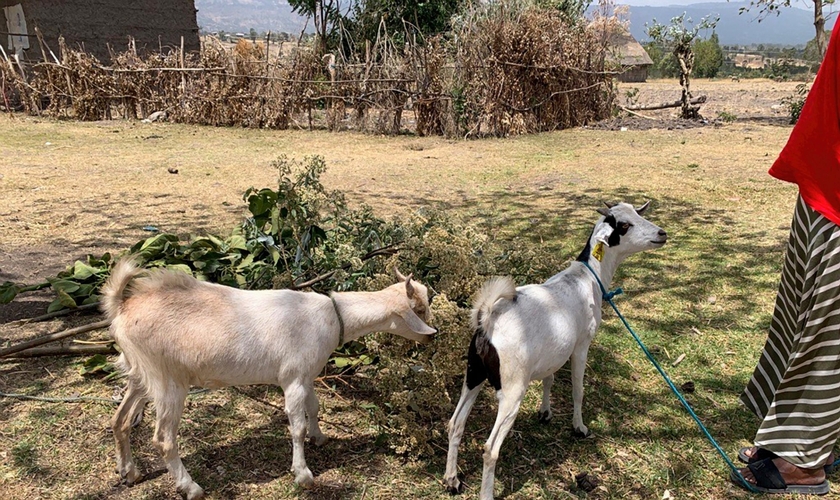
(57, 314)
(387, 250)
(72, 350)
(675, 104)
(53, 337)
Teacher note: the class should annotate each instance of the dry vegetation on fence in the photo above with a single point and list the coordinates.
(503, 72)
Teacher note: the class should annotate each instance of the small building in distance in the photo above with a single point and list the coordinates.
(626, 52)
(96, 25)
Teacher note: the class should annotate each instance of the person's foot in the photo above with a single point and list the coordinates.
(791, 474)
(750, 452)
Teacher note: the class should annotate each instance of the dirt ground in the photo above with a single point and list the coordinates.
(72, 188)
(756, 101)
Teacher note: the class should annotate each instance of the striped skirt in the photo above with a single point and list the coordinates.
(795, 388)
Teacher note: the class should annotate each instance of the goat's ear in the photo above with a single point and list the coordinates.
(643, 208)
(409, 288)
(399, 275)
(415, 324)
(603, 211)
(602, 233)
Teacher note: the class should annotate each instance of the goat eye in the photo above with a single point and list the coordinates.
(626, 226)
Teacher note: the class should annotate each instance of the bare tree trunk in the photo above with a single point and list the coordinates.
(819, 24)
(686, 59)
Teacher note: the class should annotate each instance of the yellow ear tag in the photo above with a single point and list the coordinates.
(598, 252)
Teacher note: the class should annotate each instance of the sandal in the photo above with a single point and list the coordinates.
(761, 454)
(768, 479)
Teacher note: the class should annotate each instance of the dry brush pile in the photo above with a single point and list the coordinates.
(500, 71)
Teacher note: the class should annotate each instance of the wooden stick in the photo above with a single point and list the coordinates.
(676, 104)
(387, 250)
(53, 337)
(638, 114)
(57, 314)
(72, 350)
(41, 43)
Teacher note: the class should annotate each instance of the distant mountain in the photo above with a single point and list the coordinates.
(791, 27)
(242, 15)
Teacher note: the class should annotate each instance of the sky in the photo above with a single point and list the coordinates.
(802, 4)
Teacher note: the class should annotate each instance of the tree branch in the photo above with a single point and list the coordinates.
(53, 337)
(676, 104)
(57, 314)
(71, 350)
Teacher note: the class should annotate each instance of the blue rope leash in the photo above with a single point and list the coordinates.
(608, 296)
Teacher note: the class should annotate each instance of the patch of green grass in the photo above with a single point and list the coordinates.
(25, 457)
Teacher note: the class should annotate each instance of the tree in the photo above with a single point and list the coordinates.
(325, 14)
(428, 18)
(574, 10)
(812, 50)
(708, 57)
(767, 7)
(679, 38)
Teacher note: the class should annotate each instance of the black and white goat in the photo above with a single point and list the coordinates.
(176, 331)
(528, 333)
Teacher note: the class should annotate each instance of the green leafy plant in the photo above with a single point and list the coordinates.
(795, 102)
(98, 364)
(726, 117)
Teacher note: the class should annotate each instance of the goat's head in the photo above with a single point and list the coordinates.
(623, 229)
(411, 310)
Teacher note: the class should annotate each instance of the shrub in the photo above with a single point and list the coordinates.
(795, 102)
(726, 117)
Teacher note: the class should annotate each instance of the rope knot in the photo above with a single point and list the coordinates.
(609, 295)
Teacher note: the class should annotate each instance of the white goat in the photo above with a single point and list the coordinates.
(176, 331)
(528, 333)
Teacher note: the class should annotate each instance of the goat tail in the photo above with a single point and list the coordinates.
(499, 287)
(114, 290)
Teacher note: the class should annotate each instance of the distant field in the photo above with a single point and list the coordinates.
(73, 188)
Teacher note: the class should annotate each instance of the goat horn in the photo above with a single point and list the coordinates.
(400, 276)
(409, 288)
(609, 204)
(644, 207)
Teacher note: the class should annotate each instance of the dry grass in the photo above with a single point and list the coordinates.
(708, 294)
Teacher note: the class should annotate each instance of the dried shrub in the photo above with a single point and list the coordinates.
(520, 68)
(419, 385)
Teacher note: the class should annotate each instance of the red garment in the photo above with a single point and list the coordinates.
(811, 157)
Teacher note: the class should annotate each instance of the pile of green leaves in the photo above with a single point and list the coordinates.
(301, 235)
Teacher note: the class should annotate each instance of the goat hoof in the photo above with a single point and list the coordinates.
(582, 433)
(454, 486)
(191, 492)
(305, 479)
(545, 416)
(319, 440)
(130, 475)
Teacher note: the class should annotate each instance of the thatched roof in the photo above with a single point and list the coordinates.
(626, 51)
(98, 24)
